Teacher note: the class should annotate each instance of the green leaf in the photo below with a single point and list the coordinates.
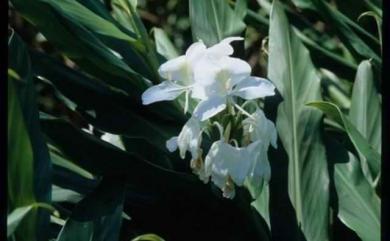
(378, 20)
(58, 160)
(65, 195)
(164, 45)
(81, 44)
(148, 237)
(102, 229)
(241, 8)
(358, 204)
(102, 158)
(18, 214)
(304, 4)
(261, 204)
(76, 231)
(19, 60)
(214, 20)
(78, 13)
(114, 110)
(365, 113)
(347, 31)
(360, 143)
(14, 218)
(291, 70)
(25, 153)
(102, 201)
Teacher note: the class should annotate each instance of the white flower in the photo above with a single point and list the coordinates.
(178, 73)
(189, 139)
(218, 80)
(227, 164)
(259, 129)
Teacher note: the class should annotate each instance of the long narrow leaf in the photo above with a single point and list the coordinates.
(290, 68)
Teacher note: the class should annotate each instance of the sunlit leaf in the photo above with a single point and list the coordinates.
(214, 20)
(291, 70)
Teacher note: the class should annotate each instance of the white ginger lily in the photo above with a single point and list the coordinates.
(218, 80)
(259, 129)
(227, 164)
(179, 72)
(190, 139)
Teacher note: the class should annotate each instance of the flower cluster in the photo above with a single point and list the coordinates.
(218, 82)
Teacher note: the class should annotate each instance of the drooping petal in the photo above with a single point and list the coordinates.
(176, 69)
(167, 90)
(273, 133)
(224, 159)
(254, 87)
(196, 52)
(171, 144)
(210, 107)
(190, 138)
(260, 128)
(260, 168)
(223, 48)
(260, 171)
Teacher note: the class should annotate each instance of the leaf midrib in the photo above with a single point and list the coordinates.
(297, 179)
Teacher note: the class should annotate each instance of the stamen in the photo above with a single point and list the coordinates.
(220, 128)
(244, 111)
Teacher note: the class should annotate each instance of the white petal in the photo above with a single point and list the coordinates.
(224, 159)
(228, 40)
(205, 72)
(237, 68)
(196, 51)
(176, 69)
(261, 168)
(273, 133)
(210, 107)
(260, 128)
(254, 87)
(190, 138)
(171, 144)
(167, 90)
(260, 173)
(223, 48)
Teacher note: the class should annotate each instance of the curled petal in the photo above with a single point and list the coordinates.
(223, 48)
(254, 87)
(167, 90)
(210, 107)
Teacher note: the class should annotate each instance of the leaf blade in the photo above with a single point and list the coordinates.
(298, 127)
